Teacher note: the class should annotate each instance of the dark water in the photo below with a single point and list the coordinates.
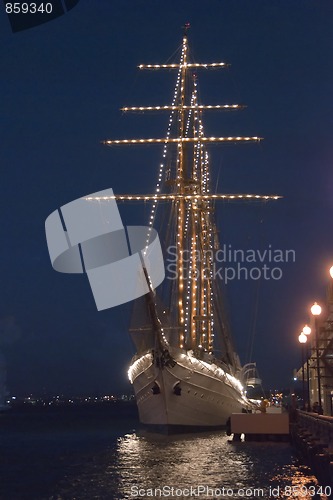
(100, 453)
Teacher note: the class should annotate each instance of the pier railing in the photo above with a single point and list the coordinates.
(312, 436)
(319, 427)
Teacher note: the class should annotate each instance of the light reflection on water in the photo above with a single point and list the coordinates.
(139, 464)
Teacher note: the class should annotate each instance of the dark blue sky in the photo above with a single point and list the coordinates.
(62, 84)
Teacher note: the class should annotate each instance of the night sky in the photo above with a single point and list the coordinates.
(62, 84)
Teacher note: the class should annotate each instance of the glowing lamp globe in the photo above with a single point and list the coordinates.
(302, 338)
(315, 309)
(307, 330)
(331, 272)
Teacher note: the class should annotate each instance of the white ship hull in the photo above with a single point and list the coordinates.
(191, 395)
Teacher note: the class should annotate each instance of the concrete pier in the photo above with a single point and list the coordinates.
(261, 426)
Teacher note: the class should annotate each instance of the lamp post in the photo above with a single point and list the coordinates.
(307, 330)
(302, 340)
(315, 311)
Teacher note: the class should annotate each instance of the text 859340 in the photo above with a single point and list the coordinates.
(28, 8)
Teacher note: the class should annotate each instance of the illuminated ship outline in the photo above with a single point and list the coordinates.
(179, 382)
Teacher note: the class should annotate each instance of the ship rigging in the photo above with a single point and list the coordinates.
(178, 378)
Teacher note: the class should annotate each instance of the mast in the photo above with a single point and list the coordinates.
(192, 202)
(180, 186)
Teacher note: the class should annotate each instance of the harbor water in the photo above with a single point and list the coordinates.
(101, 453)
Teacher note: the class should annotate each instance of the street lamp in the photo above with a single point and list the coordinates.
(315, 311)
(307, 330)
(302, 340)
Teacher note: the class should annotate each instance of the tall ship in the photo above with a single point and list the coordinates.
(186, 374)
